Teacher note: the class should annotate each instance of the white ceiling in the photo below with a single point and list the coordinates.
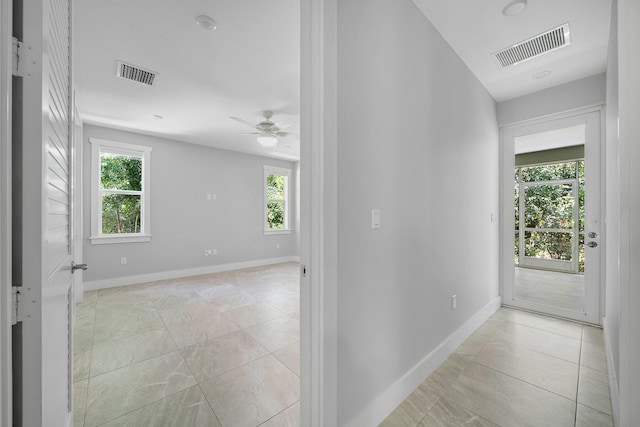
(250, 63)
(476, 29)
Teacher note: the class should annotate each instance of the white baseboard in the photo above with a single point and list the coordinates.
(613, 380)
(386, 402)
(164, 275)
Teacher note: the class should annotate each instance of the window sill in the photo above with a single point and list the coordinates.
(283, 231)
(131, 238)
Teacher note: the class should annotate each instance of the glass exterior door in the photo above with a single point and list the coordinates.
(550, 216)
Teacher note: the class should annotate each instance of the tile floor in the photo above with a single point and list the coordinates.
(553, 288)
(518, 369)
(223, 350)
(213, 350)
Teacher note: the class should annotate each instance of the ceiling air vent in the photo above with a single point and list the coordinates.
(535, 46)
(137, 74)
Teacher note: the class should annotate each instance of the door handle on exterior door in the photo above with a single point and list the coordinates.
(592, 244)
(75, 267)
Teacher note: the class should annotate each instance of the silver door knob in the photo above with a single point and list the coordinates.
(592, 244)
(593, 235)
(75, 267)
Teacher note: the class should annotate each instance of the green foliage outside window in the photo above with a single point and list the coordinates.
(275, 201)
(121, 213)
(549, 206)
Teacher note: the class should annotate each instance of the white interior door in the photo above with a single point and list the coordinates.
(45, 233)
(532, 285)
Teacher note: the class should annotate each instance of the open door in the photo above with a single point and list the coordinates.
(551, 210)
(42, 213)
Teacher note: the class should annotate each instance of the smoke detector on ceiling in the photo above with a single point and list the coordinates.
(137, 74)
(535, 46)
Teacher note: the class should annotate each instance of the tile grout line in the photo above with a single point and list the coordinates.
(272, 417)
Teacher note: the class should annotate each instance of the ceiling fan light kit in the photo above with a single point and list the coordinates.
(267, 140)
(268, 131)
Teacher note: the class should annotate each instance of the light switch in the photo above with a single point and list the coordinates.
(375, 219)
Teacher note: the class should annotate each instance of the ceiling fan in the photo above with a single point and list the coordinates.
(268, 131)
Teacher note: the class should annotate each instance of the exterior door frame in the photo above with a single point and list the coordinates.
(594, 307)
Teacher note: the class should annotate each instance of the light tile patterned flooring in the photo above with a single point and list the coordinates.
(553, 288)
(518, 369)
(223, 350)
(214, 350)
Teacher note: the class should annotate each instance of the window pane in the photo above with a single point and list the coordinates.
(581, 192)
(549, 172)
(548, 206)
(120, 172)
(120, 213)
(516, 249)
(275, 187)
(548, 245)
(275, 215)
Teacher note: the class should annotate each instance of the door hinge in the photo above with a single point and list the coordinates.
(303, 270)
(16, 298)
(16, 61)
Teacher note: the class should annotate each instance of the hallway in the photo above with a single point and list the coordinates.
(517, 369)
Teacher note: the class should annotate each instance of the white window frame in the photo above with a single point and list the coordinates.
(273, 170)
(101, 145)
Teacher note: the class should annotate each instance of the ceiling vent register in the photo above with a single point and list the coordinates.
(137, 74)
(535, 46)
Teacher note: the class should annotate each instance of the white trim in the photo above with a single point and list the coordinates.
(119, 238)
(380, 407)
(6, 28)
(97, 145)
(278, 231)
(613, 380)
(318, 210)
(164, 275)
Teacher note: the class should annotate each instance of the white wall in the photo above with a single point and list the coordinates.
(629, 209)
(611, 322)
(183, 222)
(581, 93)
(417, 139)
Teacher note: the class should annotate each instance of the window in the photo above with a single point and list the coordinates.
(276, 200)
(119, 192)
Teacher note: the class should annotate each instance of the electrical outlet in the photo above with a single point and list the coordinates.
(277, 245)
(454, 302)
(207, 252)
(123, 260)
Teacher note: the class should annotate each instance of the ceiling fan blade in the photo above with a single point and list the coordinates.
(251, 133)
(244, 122)
(283, 134)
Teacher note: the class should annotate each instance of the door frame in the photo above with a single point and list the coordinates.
(318, 213)
(596, 310)
(6, 386)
